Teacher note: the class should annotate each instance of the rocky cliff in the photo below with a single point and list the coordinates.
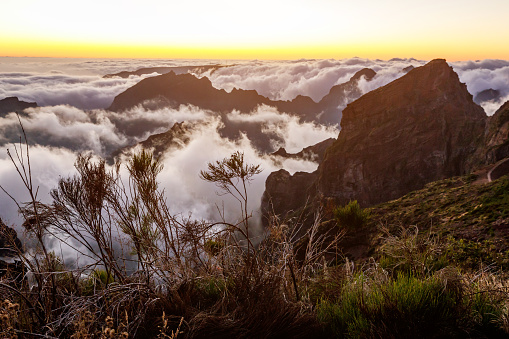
(419, 128)
(497, 138)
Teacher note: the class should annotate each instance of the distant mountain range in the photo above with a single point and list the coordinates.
(164, 70)
(173, 90)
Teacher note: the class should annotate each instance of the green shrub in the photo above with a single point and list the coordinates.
(395, 308)
(351, 216)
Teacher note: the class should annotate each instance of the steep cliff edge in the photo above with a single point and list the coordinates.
(419, 128)
(497, 138)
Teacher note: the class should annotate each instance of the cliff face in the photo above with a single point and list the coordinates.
(285, 193)
(497, 138)
(419, 128)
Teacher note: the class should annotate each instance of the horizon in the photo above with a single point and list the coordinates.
(456, 30)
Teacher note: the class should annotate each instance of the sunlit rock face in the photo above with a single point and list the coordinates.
(419, 128)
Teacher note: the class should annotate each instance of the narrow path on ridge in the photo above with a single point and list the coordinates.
(501, 168)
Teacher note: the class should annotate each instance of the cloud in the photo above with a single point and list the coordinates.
(284, 80)
(73, 122)
(66, 130)
(79, 82)
(48, 165)
(483, 75)
(85, 92)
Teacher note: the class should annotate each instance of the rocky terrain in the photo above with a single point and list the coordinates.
(418, 129)
(497, 138)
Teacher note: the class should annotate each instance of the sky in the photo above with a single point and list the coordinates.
(265, 29)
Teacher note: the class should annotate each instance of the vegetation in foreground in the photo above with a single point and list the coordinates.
(150, 273)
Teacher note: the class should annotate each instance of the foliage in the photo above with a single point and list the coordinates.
(151, 273)
(351, 216)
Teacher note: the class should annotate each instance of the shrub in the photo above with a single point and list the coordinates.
(351, 216)
(394, 308)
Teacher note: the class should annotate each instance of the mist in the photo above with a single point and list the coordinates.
(72, 119)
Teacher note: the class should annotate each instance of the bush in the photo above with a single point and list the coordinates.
(407, 305)
(351, 216)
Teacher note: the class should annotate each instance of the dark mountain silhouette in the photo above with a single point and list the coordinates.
(419, 128)
(408, 68)
(315, 152)
(13, 104)
(486, 95)
(173, 90)
(176, 137)
(164, 70)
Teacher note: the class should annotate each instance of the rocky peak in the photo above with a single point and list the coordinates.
(419, 128)
(13, 104)
(368, 73)
(489, 94)
(173, 90)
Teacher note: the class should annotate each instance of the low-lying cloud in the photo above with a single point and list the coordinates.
(61, 132)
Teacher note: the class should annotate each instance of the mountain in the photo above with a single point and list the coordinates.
(176, 137)
(173, 90)
(164, 70)
(420, 128)
(497, 138)
(486, 95)
(13, 104)
(315, 152)
(417, 129)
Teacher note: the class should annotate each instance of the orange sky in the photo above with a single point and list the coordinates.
(225, 29)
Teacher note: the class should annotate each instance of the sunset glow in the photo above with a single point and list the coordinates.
(456, 30)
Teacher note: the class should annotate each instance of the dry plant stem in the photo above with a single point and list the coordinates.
(25, 174)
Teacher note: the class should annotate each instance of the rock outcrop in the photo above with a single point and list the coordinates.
(176, 137)
(419, 128)
(314, 153)
(285, 194)
(497, 138)
(173, 90)
(13, 104)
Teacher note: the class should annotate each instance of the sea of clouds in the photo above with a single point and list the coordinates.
(73, 119)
